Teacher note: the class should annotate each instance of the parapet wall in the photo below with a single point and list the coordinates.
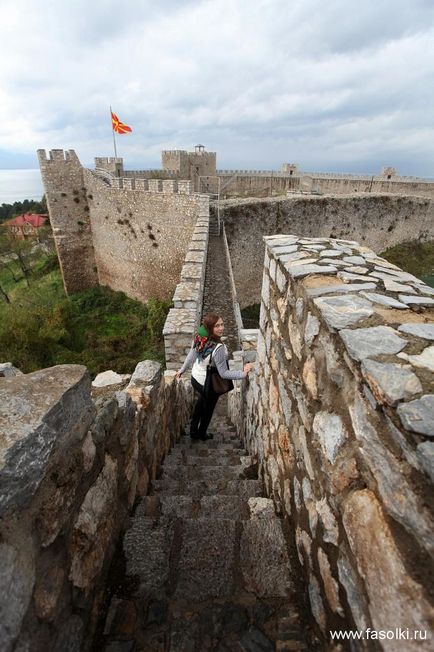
(340, 416)
(378, 221)
(184, 318)
(151, 174)
(167, 186)
(258, 181)
(71, 468)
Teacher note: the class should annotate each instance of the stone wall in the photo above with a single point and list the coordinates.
(129, 234)
(344, 185)
(234, 298)
(140, 235)
(235, 182)
(256, 182)
(184, 318)
(68, 205)
(114, 166)
(340, 416)
(189, 165)
(378, 221)
(70, 469)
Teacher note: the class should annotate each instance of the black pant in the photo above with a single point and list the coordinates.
(203, 410)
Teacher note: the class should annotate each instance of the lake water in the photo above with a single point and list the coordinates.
(17, 185)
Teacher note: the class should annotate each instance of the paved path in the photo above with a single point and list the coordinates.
(217, 290)
(207, 565)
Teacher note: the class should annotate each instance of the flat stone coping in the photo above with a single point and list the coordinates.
(379, 312)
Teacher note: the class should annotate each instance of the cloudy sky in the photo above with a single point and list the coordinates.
(338, 85)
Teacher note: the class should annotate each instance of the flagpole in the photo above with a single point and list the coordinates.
(113, 132)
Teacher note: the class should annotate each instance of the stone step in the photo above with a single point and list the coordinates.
(200, 559)
(207, 460)
(186, 443)
(232, 507)
(196, 467)
(147, 548)
(185, 474)
(207, 487)
(207, 564)
(246, 626)
(180, 453)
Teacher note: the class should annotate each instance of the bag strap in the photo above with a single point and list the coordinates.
(213, 351)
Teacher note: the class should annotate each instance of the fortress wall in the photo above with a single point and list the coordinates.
(132, 236)
(110, 164)
(379, 221)
(71, 468)
(340, 416)
(141, 237)
(68, 205)
(184, 318)
(234, 298)
(151, 174)
(267, 182)
(345, 185)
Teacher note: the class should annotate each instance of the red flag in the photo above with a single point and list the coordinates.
(118, 126)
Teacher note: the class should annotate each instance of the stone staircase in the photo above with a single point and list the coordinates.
(206, 560)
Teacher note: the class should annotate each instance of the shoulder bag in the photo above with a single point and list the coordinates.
(214, 382)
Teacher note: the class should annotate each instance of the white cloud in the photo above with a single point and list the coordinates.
(262, 82)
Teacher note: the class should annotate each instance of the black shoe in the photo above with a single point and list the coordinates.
(206, 436)
(195, 435)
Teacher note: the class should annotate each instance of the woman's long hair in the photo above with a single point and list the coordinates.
(205, 341)
(209, 321)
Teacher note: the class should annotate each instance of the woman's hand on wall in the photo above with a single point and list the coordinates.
(247, 367)
(178, 375)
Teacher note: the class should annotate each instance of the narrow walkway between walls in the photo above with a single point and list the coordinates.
(207, 562)
(217, 290)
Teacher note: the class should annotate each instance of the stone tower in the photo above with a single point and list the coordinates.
(110, 164)
(190, 165)
(67, 201)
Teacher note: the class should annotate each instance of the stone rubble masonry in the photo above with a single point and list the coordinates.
(377, 221)
(269, 182)
(126, 233)
(339, 414)
(71, 466)
(68, 206)
(234, 298)
(184, 318)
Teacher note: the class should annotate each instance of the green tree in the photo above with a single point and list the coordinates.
(9, 211)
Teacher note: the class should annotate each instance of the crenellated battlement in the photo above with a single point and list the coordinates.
(174, 151)
(101, 161)
(151, 173)
(57, 156)
(163, 186)
(387, 174)
(251, 172)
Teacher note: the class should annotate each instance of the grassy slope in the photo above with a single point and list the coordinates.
(99, 328)
(414, 257)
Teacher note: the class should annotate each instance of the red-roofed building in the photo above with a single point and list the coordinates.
(26, 225)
